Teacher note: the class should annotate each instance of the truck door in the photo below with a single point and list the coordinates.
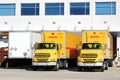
(58, 49)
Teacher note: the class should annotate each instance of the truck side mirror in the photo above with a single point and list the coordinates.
(35, 45)
(104, 46)
(117, 49)
(79, 52)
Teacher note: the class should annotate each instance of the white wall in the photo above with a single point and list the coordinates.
(63, 22)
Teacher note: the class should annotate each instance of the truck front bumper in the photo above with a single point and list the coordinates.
(90, 64)
(44, 63)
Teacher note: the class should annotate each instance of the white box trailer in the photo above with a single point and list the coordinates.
(117, 59)
(21, 46)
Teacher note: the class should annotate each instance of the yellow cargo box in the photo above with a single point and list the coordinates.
(103, 37)
(97, 50)
(70, 42)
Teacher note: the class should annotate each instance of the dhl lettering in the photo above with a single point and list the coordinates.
(94, 37)
(53, 37)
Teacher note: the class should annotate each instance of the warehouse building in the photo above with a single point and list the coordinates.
(71, 15)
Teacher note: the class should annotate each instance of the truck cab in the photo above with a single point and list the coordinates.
(97, 50)
(47, 55)
(91, 55)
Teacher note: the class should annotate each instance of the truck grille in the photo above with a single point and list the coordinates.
(89, 60)
(42, 55)
(89, 55)
(42, 60)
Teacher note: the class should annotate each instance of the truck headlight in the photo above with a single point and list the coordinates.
(52, 59)
(79, 59)
(34, 60)
(100, 60)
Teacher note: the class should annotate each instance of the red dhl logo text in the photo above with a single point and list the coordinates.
(94, 37)
(53, 37)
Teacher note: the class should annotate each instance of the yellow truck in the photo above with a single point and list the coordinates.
(97, 50)
(58, 49)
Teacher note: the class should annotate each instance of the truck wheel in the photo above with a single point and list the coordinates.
(56, 67)
(110, 63)
(103, 67)
(102, 70)
(65, 64)
(106, 67)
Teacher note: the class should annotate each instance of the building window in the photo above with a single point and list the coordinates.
(79, 8)
(105, 8)
(54, 9)
(7, 9)
(30, 9)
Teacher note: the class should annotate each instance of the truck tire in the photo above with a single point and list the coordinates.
(106, 67)
(56, 67)
(103, 67)
(102, 70)
(65, 64)
(110, 63)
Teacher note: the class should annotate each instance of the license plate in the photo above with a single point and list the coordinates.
(88, 64)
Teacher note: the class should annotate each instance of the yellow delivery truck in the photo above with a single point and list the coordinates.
(97, 50)
(58, 49)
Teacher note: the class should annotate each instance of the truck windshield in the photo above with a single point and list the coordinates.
(91, 46)
(46, 46)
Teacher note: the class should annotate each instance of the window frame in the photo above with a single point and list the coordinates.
(108, 6)
(58, 6)
(29, 7)
(11, 7)
(82, 5)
